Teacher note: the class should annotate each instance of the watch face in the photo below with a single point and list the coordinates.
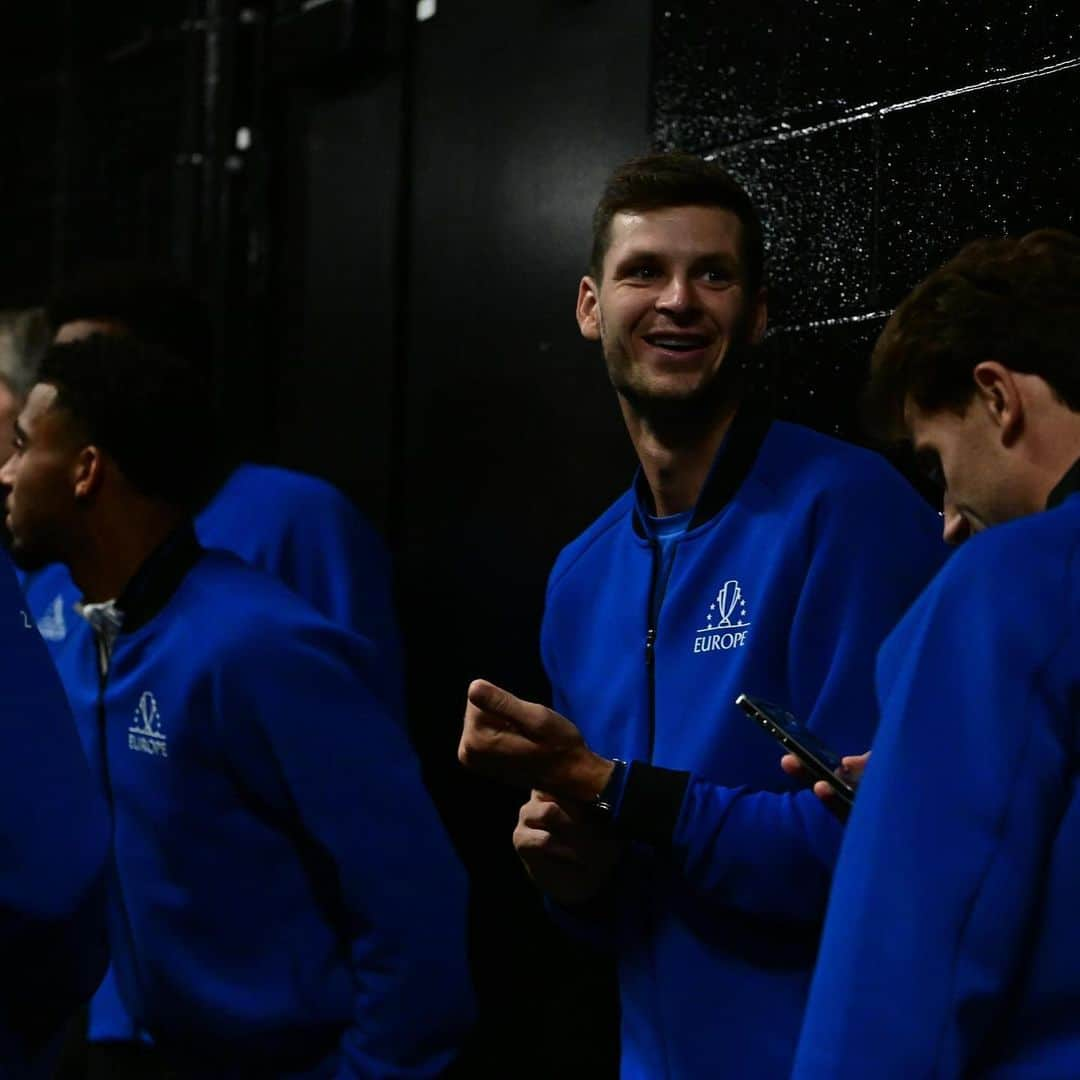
(608, 800)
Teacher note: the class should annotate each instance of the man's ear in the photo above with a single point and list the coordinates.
(759, 315)
(997, 390)
(588, 309)
(89, 471)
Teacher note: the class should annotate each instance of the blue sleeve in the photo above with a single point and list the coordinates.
(938, 882)
(336, 561)
(349, 775)
(54, 834)
(315, 541)
(771, 853)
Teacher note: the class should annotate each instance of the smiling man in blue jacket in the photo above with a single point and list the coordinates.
(951, 946)
(284, 901)
(750, 556)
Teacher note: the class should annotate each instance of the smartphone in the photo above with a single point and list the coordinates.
(819, 760)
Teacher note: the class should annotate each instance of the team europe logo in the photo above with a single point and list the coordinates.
(146, 734)
(726, 624)
(51, 626)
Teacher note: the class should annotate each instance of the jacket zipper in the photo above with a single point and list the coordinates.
(104, 663)
(650, 646)
(102, 659)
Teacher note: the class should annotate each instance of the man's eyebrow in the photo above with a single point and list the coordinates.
(637, 254)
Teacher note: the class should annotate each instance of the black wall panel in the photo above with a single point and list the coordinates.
(513, 438)
(335, 287)
(93, 100)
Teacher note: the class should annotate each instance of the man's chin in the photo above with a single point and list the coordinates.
(677, 400)
(25, 558)
(691, 393)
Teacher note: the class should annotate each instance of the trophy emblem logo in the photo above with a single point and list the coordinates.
(146, 734)
(52, 626)
(726, 621)
(723, 607)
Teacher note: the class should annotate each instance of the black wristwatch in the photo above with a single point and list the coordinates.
(607, 801)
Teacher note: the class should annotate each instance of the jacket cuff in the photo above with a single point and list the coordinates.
(651, 803)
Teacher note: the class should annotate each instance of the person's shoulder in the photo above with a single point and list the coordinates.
(1043, 545)
(797, 454)
(1014, 587)
(238, 608)
(230, 598)
(806, 468)
(271, 484)
(255, 640)
(259, 506)
(593, 540)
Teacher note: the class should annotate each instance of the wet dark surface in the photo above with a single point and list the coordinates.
(723, 77)
(818, 372)
(817, 270)
(877, 139)
(992, 163)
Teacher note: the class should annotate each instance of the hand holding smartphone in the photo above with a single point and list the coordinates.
(818, 760)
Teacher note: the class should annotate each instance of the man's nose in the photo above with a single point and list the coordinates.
(954, 530)
(677, 295)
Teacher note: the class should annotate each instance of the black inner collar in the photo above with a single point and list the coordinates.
(159, 577)
(732, 464)
(1068, 485)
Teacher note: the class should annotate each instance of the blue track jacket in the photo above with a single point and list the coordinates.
(285, 900)
(801, 555)
(305, 533)
(54, 835)
(952, 946)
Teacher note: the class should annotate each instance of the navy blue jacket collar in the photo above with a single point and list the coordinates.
(159, 577)
(1068, 485)
(732, 464)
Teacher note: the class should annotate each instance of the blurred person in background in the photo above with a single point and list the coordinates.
(298, 528)
(283, 898)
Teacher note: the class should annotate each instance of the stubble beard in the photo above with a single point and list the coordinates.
(27, 556)
(28, 559)
(686, 411)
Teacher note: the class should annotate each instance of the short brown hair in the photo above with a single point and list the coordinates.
(662, 180)
(1016, 301)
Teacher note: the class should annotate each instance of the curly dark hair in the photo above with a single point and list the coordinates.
(147, 408)
(153, 302)
(658, 181)
(1016, 301)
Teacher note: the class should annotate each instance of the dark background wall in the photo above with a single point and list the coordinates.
(878, 138)
(512, 441)
(390, 217)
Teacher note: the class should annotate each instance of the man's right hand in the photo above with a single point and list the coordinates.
(851, 769)
(568, 856)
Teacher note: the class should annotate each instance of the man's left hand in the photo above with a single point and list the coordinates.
(528, 745)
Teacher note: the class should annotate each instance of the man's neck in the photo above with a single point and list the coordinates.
(676, 457)
(1052, 441)
(117, 545)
